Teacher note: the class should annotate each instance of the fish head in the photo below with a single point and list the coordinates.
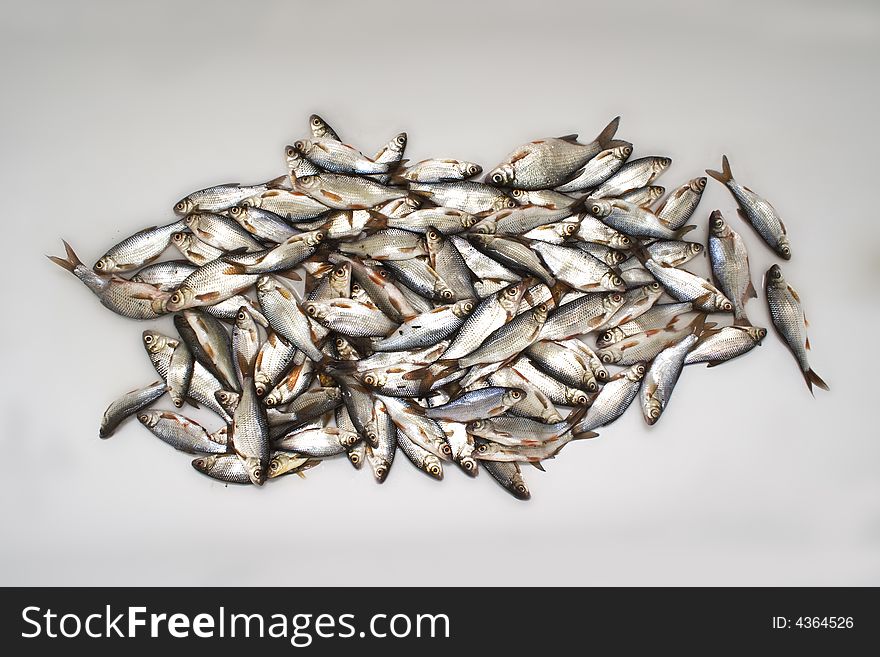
(468, 464)
(432, 466)
(355, 458)
(503, 175)
(265, 284)
(476, 427)
(783, 247)
(182, 298)
(756, 333)
(694, 248)
(154, 342)
(184, 206)
(519, 197)
(316, 310)
(620, 241)
(380, 470)
(105, 265)
(469, 169)
(539, 313)
(653, 409)
(205, 464)
(181, 240)
(442, 290)
(512, 397)
(304, 146)
(609, 355)
(511, 296)
(228, 399)
(697, 185)
(255, 470)
(149, 418)
(611, 281)
(307, 184)
(717, 225)
(608, 337)
(348, 438)
(262, 385)
(463, 308)
(243, 319)
(484, 448)
(588, 382)
(635, 373)
(283, 462)
(622, 152)
(374, 379)
(660, 164)
(577, 397)
(612, 302)
(398, 144)
(599, 208)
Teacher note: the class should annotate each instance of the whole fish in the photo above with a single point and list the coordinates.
(129, 404)
(390, 244)
(643, 197)
(297, 165)
(210, 284)
(291, 205)
(635, 173)
(411, 421)
(600, 168)
(180, 370)
(319, 443)
(419, 456)
(287, 318)
(578, 269)
(427, 328)
(245, 344)
(209, 342)
(334, 156)
(166, 276)
(631, 219)
(643, 347)
(262, 224)
(564, 363)
(682, 285)
(556, 391)
(382, 438)
(613, 399)
(441, 170)
(446, 220)
(223, 197)
(380, 287)
(673, 253)
(482, 266)
(421, 278)
(513, 253)
(293, 383)
(718, 346)
(680, 204)
(283, 463)
(347, 192)
(273, 360)
(510, 477)
(477, 404)
(195, 250)
(591, 229)
(661, 377)
(581, 315)
(535, 403)
(467, 195)
(282, 257)
(141, 248)
(508, 340)
(790, 322)
(652, 317)
(221, 232)
(123, 297)
(449, 264)
(351, 318)
(179, 432)
(512, 431)
(756, 211)
(228, 468)
(548, 163)
(730, 265)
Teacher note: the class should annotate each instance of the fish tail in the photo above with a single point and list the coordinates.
(377, 221)
(811, 377)
(537, 465)
(576, 415)
(723, 176)
(71, 262)
(583, 435)
(742, 319)
(281, 182)
(608, 133)
(681, 232)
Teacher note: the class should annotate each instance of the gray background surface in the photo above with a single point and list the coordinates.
(112, 111)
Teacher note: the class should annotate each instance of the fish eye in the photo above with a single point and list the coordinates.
(606, 336)
(269, 401)
(654, 287)
(298, 145)
(316, 121)
(581, 399)
(180, 205)
(175, 298)
(521, 488)
(291, 151)
(148, 339)
(515, 394)
(260, 389)
(542, 308)
(607, 358)
(400, 140)
(340, 342)
(274, 466)
(354, 458)
(258, 473)
(617, 297)
(143, 417)
(383, 273)
(240, 316)
(311, 310)
(592, 386)
(665, 161)
(370, 380)
(727, 306)
(511, 203)
(380, 471)
(596, 209)
(482, 449)
(616, 280)
(626, 241)
(627, 151)
(497, 178)
(306, 180)
(640, 369)
(447, 294)
(696, 248)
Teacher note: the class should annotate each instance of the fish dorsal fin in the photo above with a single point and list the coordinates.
(807, 343)
(572, 139)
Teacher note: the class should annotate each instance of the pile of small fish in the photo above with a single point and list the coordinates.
(412, 307)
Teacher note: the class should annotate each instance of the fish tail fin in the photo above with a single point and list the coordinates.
(742, 320)
(537, 465)
(608, 133)
(723, 176)
(377, 221)
(681, 232)
(71, 262)
(281, 182)
(699, 326)
(640, 252)
(583, 435)
(750, 291)
(576, 415)
(811, 377)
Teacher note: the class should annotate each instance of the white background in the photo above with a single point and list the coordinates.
(113, 111)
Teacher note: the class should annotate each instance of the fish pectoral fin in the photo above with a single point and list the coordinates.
(795, 296)
(537, 464)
